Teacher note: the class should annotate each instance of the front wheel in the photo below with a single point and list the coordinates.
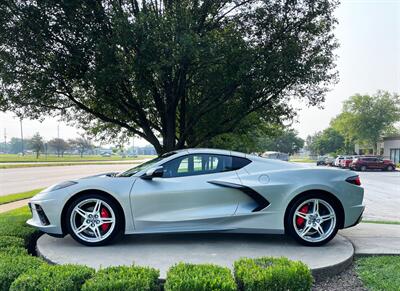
(94, 220)
(312, 220)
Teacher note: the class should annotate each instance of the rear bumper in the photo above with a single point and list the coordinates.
(354, 216)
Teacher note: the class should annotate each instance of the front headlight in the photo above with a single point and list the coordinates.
(60, 186)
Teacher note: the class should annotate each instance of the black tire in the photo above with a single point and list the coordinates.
(389, 168)
(116, 234)
(363, 168)
(289, 227)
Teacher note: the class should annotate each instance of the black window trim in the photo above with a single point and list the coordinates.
(193, 154)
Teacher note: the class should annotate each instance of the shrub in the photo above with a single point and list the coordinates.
(272, 274)
(56, 277)
(132, 278)
(206, 277)
(14, 251)
(13, 223)
(11, 241)
(13, 265)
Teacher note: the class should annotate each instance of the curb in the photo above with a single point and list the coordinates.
(319, 273)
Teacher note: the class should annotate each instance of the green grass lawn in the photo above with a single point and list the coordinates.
(18, 196)
(380, 272)
(36, 165)
(13, 158)
(302, 161)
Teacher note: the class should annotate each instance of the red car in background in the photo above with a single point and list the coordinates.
(346, 161)
(372, 163)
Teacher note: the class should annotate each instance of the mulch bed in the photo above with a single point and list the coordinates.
(346, 280)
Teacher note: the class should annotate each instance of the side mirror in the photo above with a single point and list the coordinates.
(153, 173)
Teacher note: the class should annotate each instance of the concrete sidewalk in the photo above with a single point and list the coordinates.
(372, 238)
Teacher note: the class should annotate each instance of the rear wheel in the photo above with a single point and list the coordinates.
(363, 168)
(94, 220)
(389, 168)
(312, 220)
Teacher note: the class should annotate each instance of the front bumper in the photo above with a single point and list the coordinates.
(45, 217)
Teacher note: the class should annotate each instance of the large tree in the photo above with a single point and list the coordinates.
(328, 141)
(367, 118)
(176, 73)
(37, 144)
(59, 145)
(81, 144)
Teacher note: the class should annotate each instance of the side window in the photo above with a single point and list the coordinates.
(200, 164)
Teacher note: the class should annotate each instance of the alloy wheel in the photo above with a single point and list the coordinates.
(314, 220)
(92, 220)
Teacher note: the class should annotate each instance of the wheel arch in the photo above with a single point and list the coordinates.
(337, 202)
(84, 192)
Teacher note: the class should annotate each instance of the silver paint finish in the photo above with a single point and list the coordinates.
(190, 203)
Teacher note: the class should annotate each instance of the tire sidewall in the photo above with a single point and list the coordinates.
(115, 234)
(289, 227)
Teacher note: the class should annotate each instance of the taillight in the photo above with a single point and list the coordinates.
(354, 180)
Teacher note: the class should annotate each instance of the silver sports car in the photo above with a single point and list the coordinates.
(203, 190)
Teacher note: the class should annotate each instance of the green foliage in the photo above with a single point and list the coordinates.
(18, 196)
(37, 144)
(329, 141)
(380, 273)
(206, 277)
(272, 274)
(180, 72)
(366, 118)
(123, 278)
(12, 245)
(14, 250)
(12, 266)
(57, 277)
(9, 241)
(13, 223)
(285, 141)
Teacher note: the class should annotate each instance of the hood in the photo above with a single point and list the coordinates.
(109, 174)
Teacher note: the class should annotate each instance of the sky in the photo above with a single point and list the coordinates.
(368, 60)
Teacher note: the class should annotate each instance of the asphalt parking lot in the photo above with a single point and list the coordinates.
(382, 189)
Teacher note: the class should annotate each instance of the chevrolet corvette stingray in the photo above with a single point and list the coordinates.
(203, 190)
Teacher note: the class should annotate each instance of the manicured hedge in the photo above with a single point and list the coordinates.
(13, 223)
(7, 241)
(205, 277)
(56, 277)
(272, 274)
(14, 251)
(13, 265)
(132, 278)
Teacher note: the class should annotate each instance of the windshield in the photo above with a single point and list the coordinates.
(145, 165)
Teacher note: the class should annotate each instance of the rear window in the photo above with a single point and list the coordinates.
(238, 163)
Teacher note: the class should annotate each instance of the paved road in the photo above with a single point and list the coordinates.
(25, 179)
(382, 189)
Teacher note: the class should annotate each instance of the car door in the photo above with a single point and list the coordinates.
(184, 198)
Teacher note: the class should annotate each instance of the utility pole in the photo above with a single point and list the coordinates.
(5, 140)
(22, 138)
(58, 130)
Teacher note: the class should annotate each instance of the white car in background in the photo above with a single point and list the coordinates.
(337, 161)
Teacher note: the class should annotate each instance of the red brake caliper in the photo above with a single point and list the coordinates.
(104, 214)
(300, 220)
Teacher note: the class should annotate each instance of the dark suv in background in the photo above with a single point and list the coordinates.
(372, 163)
